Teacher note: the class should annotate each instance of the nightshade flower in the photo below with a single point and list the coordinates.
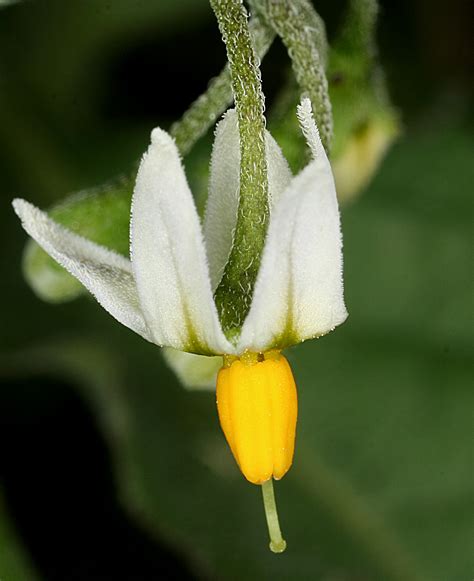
(165, 291)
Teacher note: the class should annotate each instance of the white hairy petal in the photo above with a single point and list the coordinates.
(224, 184)
(168, 255)
(223, 199)
(106, 274)
(299, 290)
(279, 173)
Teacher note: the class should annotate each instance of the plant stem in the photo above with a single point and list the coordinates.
(234, 292)
(207, 108)
(291, 21)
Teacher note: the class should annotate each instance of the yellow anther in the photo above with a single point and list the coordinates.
(257, 405)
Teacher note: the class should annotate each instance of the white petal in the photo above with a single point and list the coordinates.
(194, 371)
(279, 173)
(168, 255)
(299, 290)
(223, 199)
(224, 184)
(106, 274)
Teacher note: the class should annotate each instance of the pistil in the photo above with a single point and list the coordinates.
(277, 542)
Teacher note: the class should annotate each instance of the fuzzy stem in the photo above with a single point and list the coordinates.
(234, 293)
(314, 22)
(291, 20)
(277, 542)
(207, 108)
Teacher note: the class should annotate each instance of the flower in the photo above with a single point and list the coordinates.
(165, 291)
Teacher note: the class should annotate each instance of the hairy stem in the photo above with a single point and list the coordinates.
(234, 292)
(208, 107)
(300, 29)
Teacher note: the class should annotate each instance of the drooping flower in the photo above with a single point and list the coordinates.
(165, 291)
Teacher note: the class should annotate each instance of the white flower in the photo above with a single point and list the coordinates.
(165, 291)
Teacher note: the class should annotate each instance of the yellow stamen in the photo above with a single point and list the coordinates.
(257, 405)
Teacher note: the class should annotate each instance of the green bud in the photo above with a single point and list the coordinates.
(365, 122)
(362, 154)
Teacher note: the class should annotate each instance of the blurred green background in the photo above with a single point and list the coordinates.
(109, 469)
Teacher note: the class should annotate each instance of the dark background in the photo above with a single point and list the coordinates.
(81, 85)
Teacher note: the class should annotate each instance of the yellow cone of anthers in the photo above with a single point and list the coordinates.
(257, 405)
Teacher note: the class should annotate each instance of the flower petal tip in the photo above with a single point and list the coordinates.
(28, 213)
(309, 128)
(305, 108)
(20, 205)
(160, 138)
